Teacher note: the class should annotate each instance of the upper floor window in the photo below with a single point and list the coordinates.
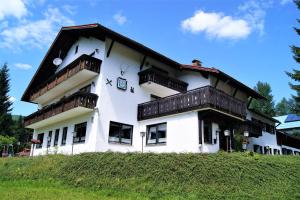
(56, 137)
(40, 137)
(79, 133)
(64, 136)
(157, 134)
(120, 133)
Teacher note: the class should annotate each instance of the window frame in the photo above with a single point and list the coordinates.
(64, 136)
(157, 138)
(119, 135)
(76, 126)
(207, 139)
(49, 140)
(56, 137)
(40, 145)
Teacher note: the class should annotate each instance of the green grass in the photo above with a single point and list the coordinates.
(151, 176)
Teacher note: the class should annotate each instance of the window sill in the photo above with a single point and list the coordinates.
(155, 145)
(118, 143)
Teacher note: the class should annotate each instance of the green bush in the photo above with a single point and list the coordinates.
(169, 176)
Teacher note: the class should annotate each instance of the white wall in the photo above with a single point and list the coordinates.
(194, 79)
(267, 139)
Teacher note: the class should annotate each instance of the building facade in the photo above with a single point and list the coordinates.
(100, 91)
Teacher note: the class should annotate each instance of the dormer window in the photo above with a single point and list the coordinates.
(76, 49)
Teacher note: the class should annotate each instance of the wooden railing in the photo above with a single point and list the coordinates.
(82, 62)
(204, 97)
(151, 75)
(80, 99)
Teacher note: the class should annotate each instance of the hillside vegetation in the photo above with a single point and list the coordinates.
(151, 176)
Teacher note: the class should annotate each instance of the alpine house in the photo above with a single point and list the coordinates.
(100, 91)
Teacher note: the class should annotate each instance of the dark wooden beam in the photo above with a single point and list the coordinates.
(143, 62)
(216, 84)
(249, 102)
(110, 47)
(234, 92)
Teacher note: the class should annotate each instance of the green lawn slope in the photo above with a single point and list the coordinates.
(151, 176)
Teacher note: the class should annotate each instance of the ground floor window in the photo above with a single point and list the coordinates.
(64, 136)
(207, 132)
(120, 133)
(40, 137)
(79, 133)
(56, 137)
(49, 139)
(157, 134)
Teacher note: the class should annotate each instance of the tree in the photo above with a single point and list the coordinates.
(295, 74)
(264, 106)
(284, 107)
(5, 103)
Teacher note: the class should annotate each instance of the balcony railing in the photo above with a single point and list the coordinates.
(204, 97)
(80, 99)
(82, 62)
(151, 75)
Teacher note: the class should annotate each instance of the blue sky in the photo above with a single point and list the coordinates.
(247, 39)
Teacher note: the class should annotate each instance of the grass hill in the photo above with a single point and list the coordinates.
(151, 176)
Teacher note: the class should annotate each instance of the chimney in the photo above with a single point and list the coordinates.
(196, 62)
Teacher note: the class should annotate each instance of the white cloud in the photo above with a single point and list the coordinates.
(37, 33)
(23, 66)
(216, 25)
(254, 11)
(14, 8)
(283, 2)
(12, 99)
(120, 18)
(70, 9)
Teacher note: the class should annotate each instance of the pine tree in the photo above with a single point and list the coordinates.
(264, 106)
(295, 74)
(5, 103)
(284, 107)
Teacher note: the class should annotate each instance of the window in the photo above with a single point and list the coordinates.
(76, 49)
(56, 137)
(40, 137)
(120, 133)
(157, 134)
(64, 136)
(79, 133)
(207, 132)
(49, 139)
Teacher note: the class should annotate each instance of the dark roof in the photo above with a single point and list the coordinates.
(263, 115)
(68, 35)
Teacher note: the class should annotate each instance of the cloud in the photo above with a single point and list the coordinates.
(14, 8)
(254, 12)
(216, 25)
(23, 66)
(39, 33)
(12, 99)
(70, 9)
(283, 2)
(120, 18)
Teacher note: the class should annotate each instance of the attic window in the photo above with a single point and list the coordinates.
(76, 49)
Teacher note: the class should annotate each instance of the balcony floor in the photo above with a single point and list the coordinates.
(72, 82)
(75, 112)
(158, 90)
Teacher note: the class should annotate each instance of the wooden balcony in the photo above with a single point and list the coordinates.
(75, 105)
(199, 99)
(76, 73)
(161, 84)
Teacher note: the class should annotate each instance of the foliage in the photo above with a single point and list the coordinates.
(264, 106)
(5, 103)
(165, 176)
(284, 107)
(7, 140)
(295, 74)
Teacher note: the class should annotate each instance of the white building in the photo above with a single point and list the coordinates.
(109, 90)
